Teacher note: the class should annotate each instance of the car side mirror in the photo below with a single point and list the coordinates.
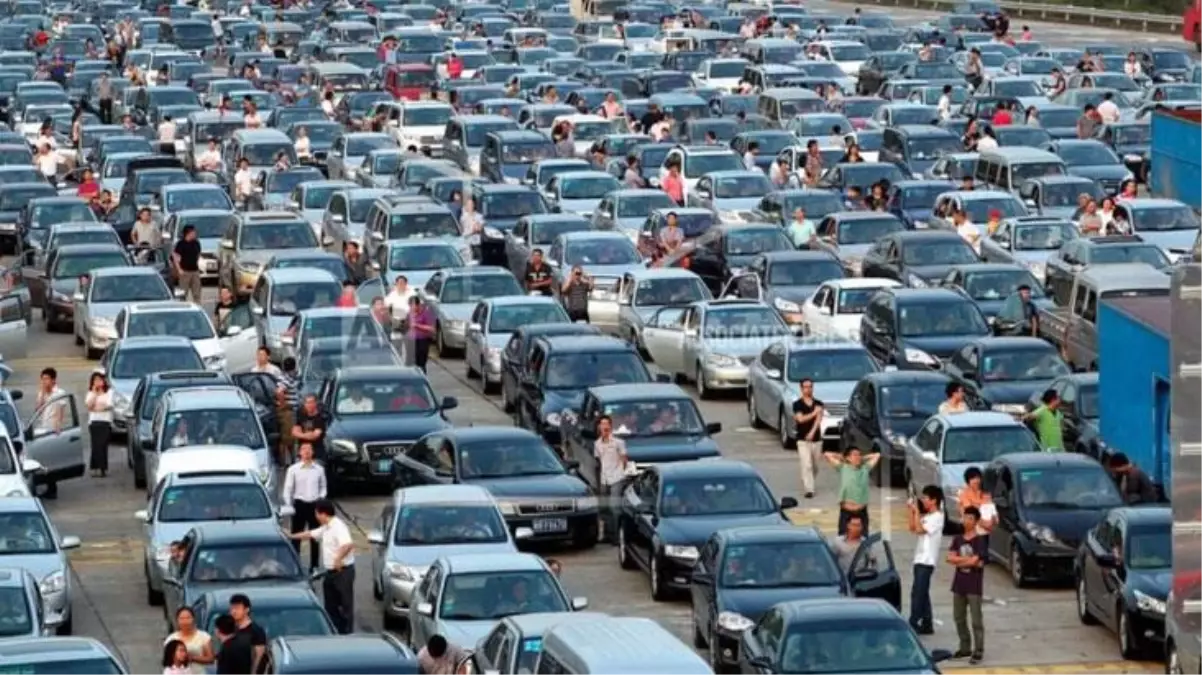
(864, 574)
(142, 515)
(474, 328)
(227, 244)
(31, 466)
(257, 311)
(449, 403)
(691, 333)
(787, 503)
(773, 373)
(376, 537)
(579, 604)
(231, 331)
(1030, 202)
(78, 297)
(377, 236)
(69, 542)
(179, 293)
(337, 219)
(285, 512)
(425, 609)
(713, 428)
(287, 340)
(824, 310)
(930, 456)
(523, 533)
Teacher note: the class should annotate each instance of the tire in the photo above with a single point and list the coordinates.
(703, 392)
(1018, 573)
(486, 386)
(153, 598)
(467, 366)
(66, 628)
(786, 443)
(698, 639)
(139, 479)
(1131, 645)
(624, 560)
(1083, 612)
(659, 590)
(506, 404)
(377, 592)
(753, 417)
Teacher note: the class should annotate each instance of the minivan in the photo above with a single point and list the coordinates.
(786, 103)
(916, 147)
(1008, 168)
(508, 155)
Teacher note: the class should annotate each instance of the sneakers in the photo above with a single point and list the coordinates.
(809, 495)
(962, 653)
(976, 658)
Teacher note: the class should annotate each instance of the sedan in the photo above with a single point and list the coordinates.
(492, 324)
(836, 307)
(41, 551)
(733, 195)
(1093, 160)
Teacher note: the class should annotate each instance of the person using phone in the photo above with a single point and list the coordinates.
(575, 291)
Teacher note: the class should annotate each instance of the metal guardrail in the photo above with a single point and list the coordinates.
(1071, 14)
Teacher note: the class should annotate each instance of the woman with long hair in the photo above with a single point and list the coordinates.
(175, 658)
(198, 643)
(99, 403)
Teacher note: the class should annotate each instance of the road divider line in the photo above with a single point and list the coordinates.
(1099, 667)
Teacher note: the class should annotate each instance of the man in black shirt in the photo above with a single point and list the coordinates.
(650, 118)
(538, 274)
(248, 644)
(310, 426)
(221, 312)
(807, 414)
(186, 260)
(228, 660)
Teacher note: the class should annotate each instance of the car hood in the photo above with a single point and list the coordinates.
(421, 557)
(1062, 133)
(225, 588)
(736, 347)
(459, 311)
(417, 278)
(66, 286)
(1132, 152)
(104, 310)
(754, 602)
(665, 449)
(991, 308)
(1178, 242)
(612, 272)
(1012, 393)
(276, 200)
(165, 533)
(1062, 212)
(312, 215)
(1156, 583)
(386, 427)
(740, 205)
(1069, 525)
(277, 324)
(465, 632)
(40, 565)
(583, 207)
(797, 294)
(695, 530)
(929, 272)
(124, 386)
(942, 346)
(512, 487)
(558, 400)
(258, 256)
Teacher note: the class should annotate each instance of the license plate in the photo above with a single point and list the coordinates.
(210, 265)
(383, 466)
(551, 525)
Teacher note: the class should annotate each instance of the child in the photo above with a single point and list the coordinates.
(175, 658)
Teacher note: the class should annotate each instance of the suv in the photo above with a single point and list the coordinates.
(466, 135)
(258, 146)
(507, 155)
(952, 321)
(252, 239)
(393, 217)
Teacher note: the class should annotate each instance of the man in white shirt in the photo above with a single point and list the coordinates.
(987, 141)
(611, 456)
(327, 104)
(263, 363)
(47, 161)
(356, 402)
(303, 145)
(955, 402)
(967, 230)
(210, 159)
(166, 134)
(749, 157)
(1108, 110)
(926, 521)
(304, 486)
(397, 301)
(244, 183)
(945, 103)
(338, 558)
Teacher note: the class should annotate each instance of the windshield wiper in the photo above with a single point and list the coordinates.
(468, 617)
(668, 432)
(1063, 506)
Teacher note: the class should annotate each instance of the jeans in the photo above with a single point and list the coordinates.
(578, 315)
(845, 515)
(609, 513)
(338, 589)
(962, 607)
(421, 352)
(921, 614)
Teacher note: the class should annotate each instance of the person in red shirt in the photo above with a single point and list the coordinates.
(41, 39)
(1002, 116)
(347, 299)
(673, 184)
(454, 66)
(89, 189)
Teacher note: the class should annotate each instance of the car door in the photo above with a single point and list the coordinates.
(379, 551)
(1068, 402)
(815, 312)
(663, 337)
(769, 402)
(1098, 546)
(335, 160)
(54, 438)
(474, 343)
(647, 492)
(421, 625)
(239, 339)
(702, 588)
(1110, 593)
(1002, 489)
(873, 574)
(694, 339)
(923, 460)
(516, 251)
(13, 328)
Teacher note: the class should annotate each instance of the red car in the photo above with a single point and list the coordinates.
(409, 81)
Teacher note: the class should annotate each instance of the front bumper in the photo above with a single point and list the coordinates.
(725, 377)
(208, 267)
(356, 468)
(726, 647)
(60, 311)
(1147, 625)
(100, 340)
(1050, 562)
(398, 595)
(574, 526)
(603, 312)
(832, 427)
(58, 608)
(492, 368)
(454, 334)
(677, 573)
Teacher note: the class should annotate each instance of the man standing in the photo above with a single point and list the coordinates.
(1021, 311)
(1049, 422)
(538, 274)
(304, 486)
(848, 542)
(263, 362)
(855, 470)
(310, 426)
(49, 394)
(610, 452)
(1134, 485)
(186, 259)
(575, 291)
(813, 163)
(397, 302)
(926, 521)
(749, 157)
(228, 661)
(144, 232)
(356, 261)
(249, 641)
(801, 231)
(807, 413)
(223, 308)
(968, 231)
(338, 558)
(1108, 110)
(287, 393)
(954, 403)
(104, 93)
(967, 554)
(673, 184)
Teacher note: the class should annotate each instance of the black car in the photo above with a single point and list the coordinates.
(361, 654)
(531, 482)
(659, 422)
(785, 280)
(991, 284)
(669, 511)
(724, 250)
(513, 356)
(1046, 503)
(917, 258)
(1006, 372)
(885, 410)
(284, 612)
(742, 572)
(835, 635)
(375, 413)
(879, 69)
(1079, 407)
(919, 328)
(561, 368)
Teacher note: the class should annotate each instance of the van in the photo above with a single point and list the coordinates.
(781, 51)
(1008, 168)
(783, 104)
(916, 147)
(580, 647)
(507, 155)
(260, 147)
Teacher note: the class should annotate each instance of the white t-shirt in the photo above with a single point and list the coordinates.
(948, 408)
(926, 552)
(945, 107)
(609, 455)
(48, 164)
(102, 401)
(252, 120)
(987, 143)
(971, 234)
(1109, 112)
(302, 146)
(398, 303)
(1133, 68)
(327, 107)
(167, 132)
(210, 159)
(333, 536)
(244, 182)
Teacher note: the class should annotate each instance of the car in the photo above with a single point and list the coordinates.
(415, 259)
(538, 232)
(359, 653)
(990, 285)
(453, 294)
(515, 644)
(775, 376)
(1079, 253)
(1123, 575)
(514, 354)
(210, 226)
(128, 360)
(106, 293)
(669, 511)
(835, 308)
(626, 209)
(1078, 394)
(54, 283)
(280, 611)
(463, 595)
(310, 198)
(917, 328)
(41, 551)
(186, 319)
(326, 322)
(279, 294)
(579, 192)
(852, 235)
(215, 556)
(333, 263)
(1028, 241)
(1006, 372)
(919, 258)
(790, 635)
(642, 292)
(323, 357)
(1047, 503)
(59, 654)
(532, 484)
(1167, 223)
(182, 500)
(493, 322)
(1094, 160)
(23, 605)
(725, 250)
(252, 240)
(737, 565)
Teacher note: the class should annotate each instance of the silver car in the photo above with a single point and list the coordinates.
(452, 294)
(345, 217)
(53, 451)
(210, 225)
(419, 527)
(1029, 241)
(774, 383)
(733, 195)
(948, 445)
(281, 294)
(605, 257)
(350, 150)
(33, 544)
(309, 199)
(626, 210)
(20, 600)
(108, 290)
(484, 588)
(712, 342)
(127, 360)
(538, 231)
(494, 322)
(417, 260)
(579, 192)
(643, 292)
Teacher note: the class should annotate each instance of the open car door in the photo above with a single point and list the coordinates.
(872, 573)
(13, 327)
(663, 337)
(54, 439)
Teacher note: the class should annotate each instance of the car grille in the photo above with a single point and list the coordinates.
(747, 360)
(835, 409)
(386, 449)
(545, 508)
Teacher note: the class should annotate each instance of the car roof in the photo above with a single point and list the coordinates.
(163, 306)
(471, 563)
(974, 419)
(153, 342)
(443, 494)
(584, 343)
(822, 345)
(1046, 460)
(41, 649)
(1146, 515)
(124, 271)
(296, 275)
(521, 301)
(488, 432)
(764, 534)
(216, 396)
(715, 468)
(347, 651)
(906, 295)
(212, 478)
(241, 532)
(790, 256)
(824, 610)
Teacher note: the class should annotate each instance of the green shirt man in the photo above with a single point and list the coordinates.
(1049, 427)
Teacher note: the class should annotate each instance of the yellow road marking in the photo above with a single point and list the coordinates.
(1062, 668)
(122, 551)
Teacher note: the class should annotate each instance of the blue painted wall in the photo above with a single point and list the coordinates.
(1176, 146)
(1133, 384)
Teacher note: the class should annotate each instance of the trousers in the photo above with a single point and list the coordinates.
(921, 614)
(305, 518)
(964, 607)
(809, 454)
(338, 589)
(190, 282)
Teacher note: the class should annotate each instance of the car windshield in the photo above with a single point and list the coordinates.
(386, 163)
(77, 265)
(25, 533)
(444, 524)
(844, 365)
(803, 272)
(1087, 402)
(601, 252)
(321, 134)
(1053, 119)
(16, 199)
(509, 318)
(1087, 154)
(263, 236)
(742, 187)
(323, 364)
(430, 116)
(588, 369)
(714, 496)
(591, 130)
(1068, 488)
(360, 146)
(941, 318)
(786, 564)
(743, 322)
(1150, 548)
(938, 252)
(208, 227)
(1016, 88)
(319, 197)
(84, 666)
(697, 165)
(1171, 60)
(1165, 218)
(545, 233)
(817, 204)
(63, 213)
(208, 131)
(1133, 134)
(262, 560)
(854, 300)
(386, 396)
(1066, 194)
(756, 240)
(874, 647)
(639, 206)
(1144, 253)
(866, 230)
(423, 258)
(194, 325)
(587, 188)
(923, 197)
(1010, 207)
(726, 69)
(1018, 174)
(931, 148)
(526, 153)
(675, 291)
(477, 287)
(524, 456)
(912, 401)
(660, 417)
(200, 502)
(129, 288)
(478, 131)
(193, 198)
(284, 182)
(288, 299)
(495, 595)
(1000, 284)
(227, 426)
(1022, 364)
(336, 266)
(265, 153)
(15, 617)
(512, 204)
(344, 81)
(419, 225)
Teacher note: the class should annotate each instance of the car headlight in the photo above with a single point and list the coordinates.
(1041, 533)
(345, 447)
(586, 503)
(916, 281)
(265, 474)
(734, 622)
(493, 233)
(55, 582)
(682, 552)
(473, 163)
(397, 570)
(508, 508)
(1147, 603)
(510, 180)
(552, 419)
(122, 404)
(216, 361)
(896, 438)
(722, 361)
(786, 305)
(1008, 408)
(1132, 158)
(248, 267)
(1038, 270)
(162, 554)
(918, 356)
(352, 173)
(101, 322)
(457, 326)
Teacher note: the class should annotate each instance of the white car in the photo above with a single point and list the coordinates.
(835, 309)
(16, 474)
(174, 317)
(420, 124)
(193, 458)
(725, 74)
(849, 55)
(586, 129)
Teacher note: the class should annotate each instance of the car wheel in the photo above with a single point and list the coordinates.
(786, 442)
(1017, 572)
(467, 366)
(624, 559)
(703, 391)
(377, 592)
(659, 590)
(1083, 604)
(139, 479)
(1130, 645)
(396, 624)
(715, 656)
(1172, 661)
(66, 628)
(438, 341)
(486, 386)
(698, 638)
(153, 598)
(753, 418)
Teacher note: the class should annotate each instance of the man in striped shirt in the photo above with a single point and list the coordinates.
(287, 397)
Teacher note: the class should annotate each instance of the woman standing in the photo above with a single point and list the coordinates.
(973, 495)
(99, 403)
(198, 642)
(421, 331)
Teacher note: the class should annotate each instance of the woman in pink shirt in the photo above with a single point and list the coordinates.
(421, 331)
(673, 184)
(611, 109)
